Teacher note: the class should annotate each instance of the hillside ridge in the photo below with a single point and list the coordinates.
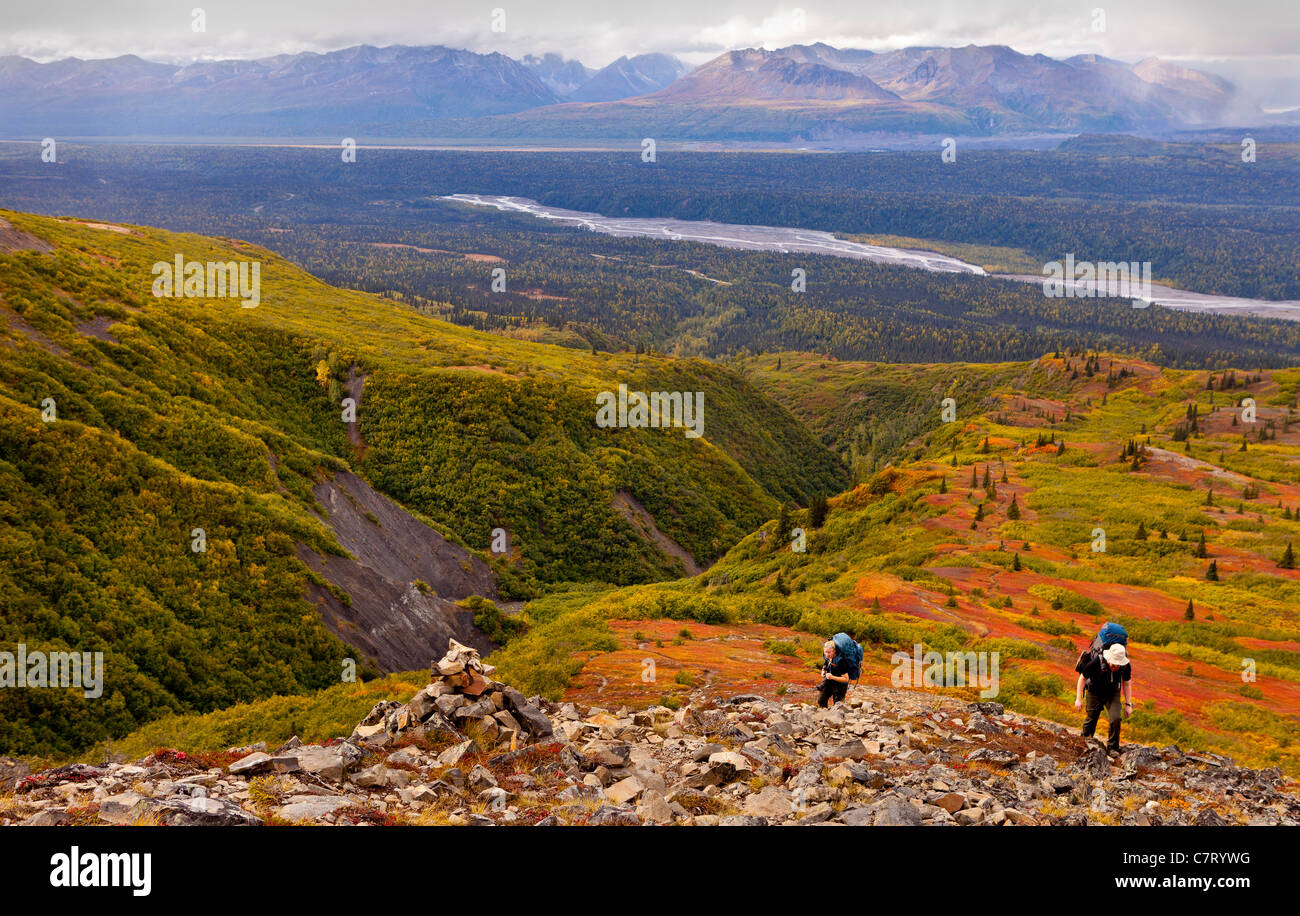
(189, 462)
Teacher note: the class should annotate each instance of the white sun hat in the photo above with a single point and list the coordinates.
(1116, 656)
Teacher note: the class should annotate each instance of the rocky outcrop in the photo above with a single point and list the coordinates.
(402, 579)
(468, 749)
(12, 240)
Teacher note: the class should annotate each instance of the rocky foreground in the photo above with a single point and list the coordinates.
(470, 750)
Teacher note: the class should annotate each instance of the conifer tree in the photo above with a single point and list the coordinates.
(817, 511)
(782, 528)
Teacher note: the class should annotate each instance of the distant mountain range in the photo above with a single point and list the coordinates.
(803, 92)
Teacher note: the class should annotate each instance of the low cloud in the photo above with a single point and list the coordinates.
(159, 30)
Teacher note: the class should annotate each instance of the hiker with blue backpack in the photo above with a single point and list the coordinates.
(1105, 672)
(842, 664)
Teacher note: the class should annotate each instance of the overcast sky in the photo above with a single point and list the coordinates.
(1255, 41)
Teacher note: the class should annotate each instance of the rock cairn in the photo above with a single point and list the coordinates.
(463, 698)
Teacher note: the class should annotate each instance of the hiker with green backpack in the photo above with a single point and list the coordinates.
(1105, 671)
(842, 665)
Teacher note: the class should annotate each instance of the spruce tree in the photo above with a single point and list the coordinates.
(782, 528)
(817, 511)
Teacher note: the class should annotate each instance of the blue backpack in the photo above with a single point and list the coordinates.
(852, 652)
(1109, 635)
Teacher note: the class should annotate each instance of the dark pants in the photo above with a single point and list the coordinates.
(829, 689)
(1114, 707)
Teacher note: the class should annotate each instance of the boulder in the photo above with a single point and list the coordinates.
(448, 703)
(896, 812)
(533, 719)
(854, 750)
(625, 790)
(739, 762)
(203, 812)
(480, 778)
(423, 704)
(993, 757)
(310, 807)
(506, 721)
(418, 795)
(580, 793)
(380, 712)
(952, 802)
(606, 754)
(122, 809)
(325, 762)
(411, 755)
(1094, 761)
(475, 710)
(653, 809)
(381, 777)
(49, 817)
(256, 762)
(456, 753)
(770, 802)
(610, 816)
